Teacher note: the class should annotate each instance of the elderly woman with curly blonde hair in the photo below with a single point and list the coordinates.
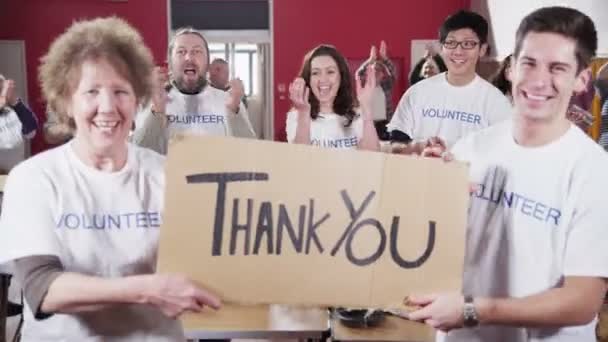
(82, 221)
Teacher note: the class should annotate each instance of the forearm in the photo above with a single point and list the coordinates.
(387, 85)
(28, 119)
(390, 66)
(361, 70)
(234, 107)
(389, 81)
(407, 148)
(303, 130)
(151, 131)
(244, 113)
(564, 306)
(73, 292)
(369, 139)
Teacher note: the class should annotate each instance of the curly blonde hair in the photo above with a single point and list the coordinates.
(111, 39)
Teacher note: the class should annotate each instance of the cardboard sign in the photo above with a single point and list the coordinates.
(261, 222)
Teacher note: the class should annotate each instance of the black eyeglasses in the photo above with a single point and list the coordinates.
(466, 45)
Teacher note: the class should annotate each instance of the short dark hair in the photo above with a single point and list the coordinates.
(566, 21)
(219, 61)
(463, 20)
(345, 101)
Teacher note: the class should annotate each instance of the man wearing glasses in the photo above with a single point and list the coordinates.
(451, 104)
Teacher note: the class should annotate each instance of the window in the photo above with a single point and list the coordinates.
(243, 64)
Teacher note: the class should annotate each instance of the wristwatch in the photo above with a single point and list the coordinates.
(469, 313)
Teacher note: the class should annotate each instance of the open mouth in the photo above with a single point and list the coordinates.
(324, 90)
(535, 97)
(190, 71)
(106, 126)
(458, 61)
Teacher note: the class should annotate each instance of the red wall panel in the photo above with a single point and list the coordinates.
(38, 22)
(298, 25)
(351, 26)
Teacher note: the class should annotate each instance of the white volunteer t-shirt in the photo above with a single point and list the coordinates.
(11, 134)
(98, 223)
(379, 104)
(433, 107)
(328, 130)
(203, 114)
(12, 141)
(540, 214)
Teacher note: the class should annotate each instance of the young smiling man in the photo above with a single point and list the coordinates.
(451, 104)
(536, 259)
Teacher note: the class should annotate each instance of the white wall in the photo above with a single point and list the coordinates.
(12, 65)
(505, 15)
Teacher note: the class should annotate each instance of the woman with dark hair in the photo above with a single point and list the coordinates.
(429, 65)
(382, 105)
(501, 79)
(325, 109)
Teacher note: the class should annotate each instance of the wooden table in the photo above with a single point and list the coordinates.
(391, 329)
(284, 322)
(258, 322)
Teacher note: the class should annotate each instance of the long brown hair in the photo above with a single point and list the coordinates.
(499, 80)
(345, 101)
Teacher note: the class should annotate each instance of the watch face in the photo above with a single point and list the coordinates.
(470, 315)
